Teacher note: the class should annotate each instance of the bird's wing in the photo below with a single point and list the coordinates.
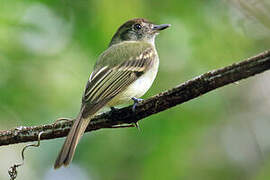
(109, 80)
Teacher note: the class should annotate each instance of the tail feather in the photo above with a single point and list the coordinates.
(68, 149)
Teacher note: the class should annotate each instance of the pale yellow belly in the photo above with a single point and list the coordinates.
(137, 88)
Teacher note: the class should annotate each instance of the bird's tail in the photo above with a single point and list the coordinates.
(80, 124)
(68, 149)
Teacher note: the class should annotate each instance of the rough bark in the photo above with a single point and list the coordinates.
(182, 93)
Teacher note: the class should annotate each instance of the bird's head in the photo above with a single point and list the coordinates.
(137, 29)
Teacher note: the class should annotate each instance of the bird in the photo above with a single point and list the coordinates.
(123, 72)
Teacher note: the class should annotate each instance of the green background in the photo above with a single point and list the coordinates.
(47, 52)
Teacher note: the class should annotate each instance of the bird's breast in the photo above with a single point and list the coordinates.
(138, 88)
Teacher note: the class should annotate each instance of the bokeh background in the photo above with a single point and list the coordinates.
(48, 49)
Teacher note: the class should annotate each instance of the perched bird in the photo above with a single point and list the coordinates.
(125, 71)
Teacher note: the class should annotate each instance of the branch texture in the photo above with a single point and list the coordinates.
(160, 102)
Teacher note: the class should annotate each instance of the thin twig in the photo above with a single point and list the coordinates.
(12, 171)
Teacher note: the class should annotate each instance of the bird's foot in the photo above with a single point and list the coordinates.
(136, 125)
(136, 102)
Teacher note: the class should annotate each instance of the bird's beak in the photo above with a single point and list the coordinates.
(158, 28)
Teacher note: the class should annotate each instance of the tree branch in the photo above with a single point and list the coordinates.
(160, 102)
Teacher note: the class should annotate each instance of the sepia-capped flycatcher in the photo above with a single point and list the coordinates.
(125, 71)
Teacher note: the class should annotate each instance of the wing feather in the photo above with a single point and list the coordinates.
(107, 82)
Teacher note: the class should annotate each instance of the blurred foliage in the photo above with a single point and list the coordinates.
(48, 49)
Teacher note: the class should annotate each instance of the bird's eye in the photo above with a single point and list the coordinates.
(137, 27)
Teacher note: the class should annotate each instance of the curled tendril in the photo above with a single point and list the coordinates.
(12, 171)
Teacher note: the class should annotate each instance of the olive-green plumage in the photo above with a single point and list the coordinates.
(125, 70)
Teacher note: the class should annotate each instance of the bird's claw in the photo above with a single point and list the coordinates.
(136, 102)
(136, 124)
